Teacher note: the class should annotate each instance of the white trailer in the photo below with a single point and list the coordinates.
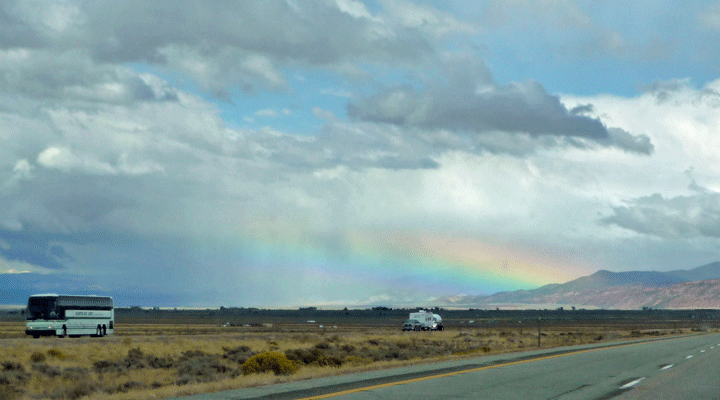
(423, 321)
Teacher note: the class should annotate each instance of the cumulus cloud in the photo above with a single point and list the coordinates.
(76, 49)
(242, 44)
(71, 75)
(65, 159)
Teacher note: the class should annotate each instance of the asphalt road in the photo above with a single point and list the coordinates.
(674, 368)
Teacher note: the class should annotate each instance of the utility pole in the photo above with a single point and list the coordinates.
(538, 331)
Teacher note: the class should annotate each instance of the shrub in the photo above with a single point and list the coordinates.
(125, 387)
(75, 374)
(269, 361)
(358, 360)
(238, 354)
(322, 346)
(198, 366)
(80, 388)
(107, 366)
(135, 359)
(159, 362)
(330, 361)
(11, 366)
(13, 374)
(8, 392)
(37, 357)
(55, 353)
(46, 370)
(202, 369)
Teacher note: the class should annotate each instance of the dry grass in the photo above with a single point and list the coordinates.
(157, 361)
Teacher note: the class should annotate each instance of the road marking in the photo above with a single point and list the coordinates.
(702, 351)
(690, 356)
(448, 374)
(667, 367)
(631, 384)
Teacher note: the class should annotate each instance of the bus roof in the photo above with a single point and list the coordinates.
(77, 300)
(68, 295)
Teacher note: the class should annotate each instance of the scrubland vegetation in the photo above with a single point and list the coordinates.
(146, 361)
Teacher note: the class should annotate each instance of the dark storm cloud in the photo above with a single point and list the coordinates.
(39, 249)
(631, 143)
(14, 32)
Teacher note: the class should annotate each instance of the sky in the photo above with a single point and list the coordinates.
(331, 152)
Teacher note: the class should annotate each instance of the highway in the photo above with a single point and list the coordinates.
(672, 368)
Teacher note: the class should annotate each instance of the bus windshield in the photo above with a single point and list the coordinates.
(42, 308)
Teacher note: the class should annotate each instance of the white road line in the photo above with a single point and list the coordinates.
(689, 357)
(631, 384)
(702, 351)
(667, 367)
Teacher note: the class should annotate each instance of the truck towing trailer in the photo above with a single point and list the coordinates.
(423, 321)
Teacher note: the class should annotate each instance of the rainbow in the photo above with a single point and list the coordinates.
(440, 263)
(469, 265)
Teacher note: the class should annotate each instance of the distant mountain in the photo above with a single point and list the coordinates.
(695, 288)
(16, 288)
(709, 271)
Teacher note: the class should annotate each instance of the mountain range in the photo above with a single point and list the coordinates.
(695, 288)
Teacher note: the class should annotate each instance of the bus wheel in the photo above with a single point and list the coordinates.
(36, 336)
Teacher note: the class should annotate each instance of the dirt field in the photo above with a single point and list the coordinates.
(155, 360)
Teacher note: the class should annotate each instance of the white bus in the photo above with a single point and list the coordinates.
(63, 315)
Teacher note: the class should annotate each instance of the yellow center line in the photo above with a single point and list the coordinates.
(465, 371)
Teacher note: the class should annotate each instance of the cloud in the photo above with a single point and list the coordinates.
(554, 14)
(622, 139)
(691, 216)
(323, 114)
(242, 45)
(71, 75)
(266, 113)
(33, 249)
(65, 159)
(118, 159)
(710, 17)
(467, 100)
(427, 19)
